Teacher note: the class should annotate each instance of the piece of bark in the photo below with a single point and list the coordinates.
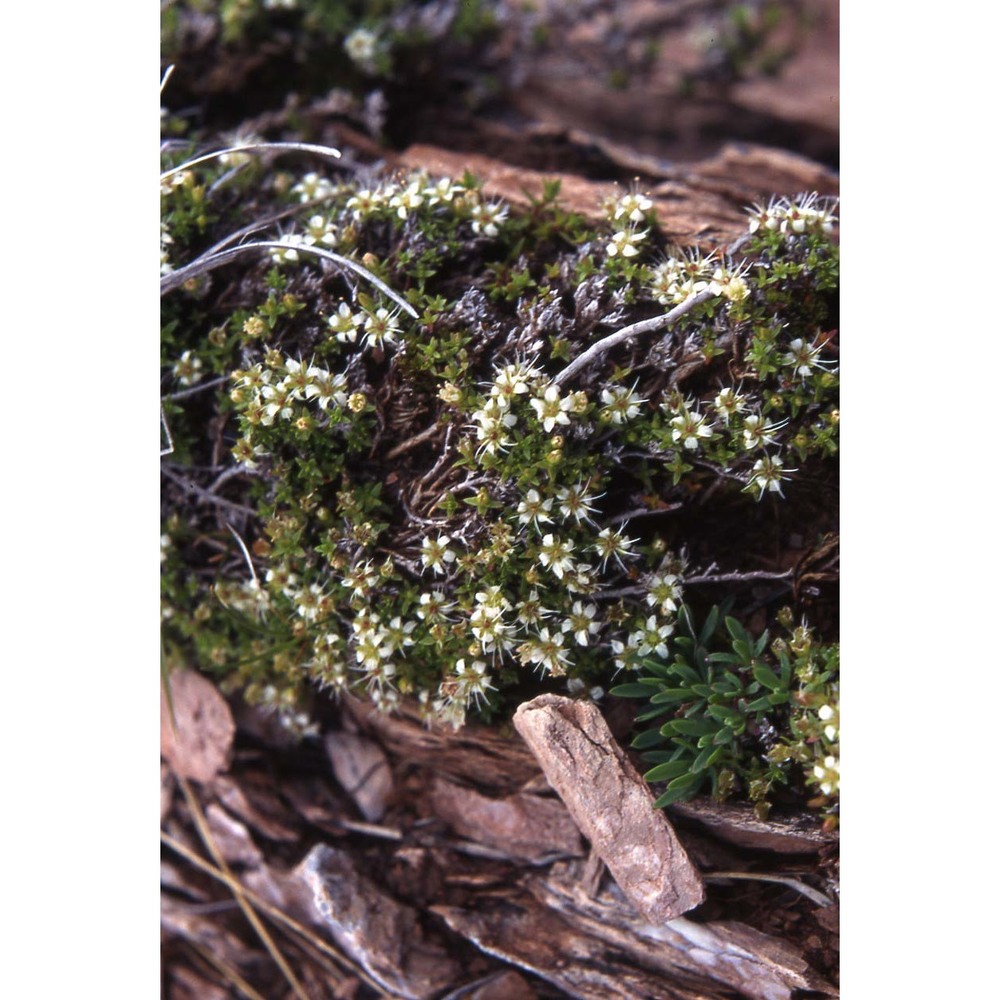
(525, 827)
(232, 838)
(738, 825)
(205, 929)
(379, 933)
(196, 739)
(362, 770)
(526, 934)
(234, 797)
(315, 800)
(478, 754)
(179, 878)
(758, 965)
(686, 216)
(611, 804)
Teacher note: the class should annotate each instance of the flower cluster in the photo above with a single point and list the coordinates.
(626, 214)
(403, 197)
(264, 393)
(677, 279)
(794, 216)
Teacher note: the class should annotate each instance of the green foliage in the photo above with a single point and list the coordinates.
(426, 510)
(748, 717)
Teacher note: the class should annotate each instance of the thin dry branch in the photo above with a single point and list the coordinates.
(209, 262)
(253, 147)
(602, 347)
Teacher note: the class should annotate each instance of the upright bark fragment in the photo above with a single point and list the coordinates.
(196, 727)
(611, 804)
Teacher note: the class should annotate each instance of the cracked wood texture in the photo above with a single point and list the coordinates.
(611, 804)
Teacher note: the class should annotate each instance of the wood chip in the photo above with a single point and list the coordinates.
(527, 934)
(384, 936)
(232, 838)
(525, 827)
(477, 754)
(611, 804)
(233, 795)
(756, 964)
(738, 825)
(362, 770)
(197, 740)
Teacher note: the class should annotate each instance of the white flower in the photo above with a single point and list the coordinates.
(728, 402)
(397, 634)
(363, 203)
(436, 553)
(678, 278)
(802, 357)
(308, 601)
(322, 230)
(581, 622)
(330, 389)
(625, 241)
(652, 637)
(512, 380)
(757, 432)
(829, 714)
(288, 254)
(533, 509)
(381, 328)
(555, 555)
(547, 651)
(443, 190)
(473, 681)
(530, 611)
(767, 475)
(613, 543)
(487, 216)
(346, 324)
(361, 45)
(300, 380)
(312, 187)
(187, 369)
(664, 591)
(575, 502)
(827, 775)
(550, 409)
(360, 578)
(434, 606)
(492, 424)
(489, 627)
(730, 283)
(620, 404)
(278, 404)
(407, 200)
(632, 206)
(689, 429)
